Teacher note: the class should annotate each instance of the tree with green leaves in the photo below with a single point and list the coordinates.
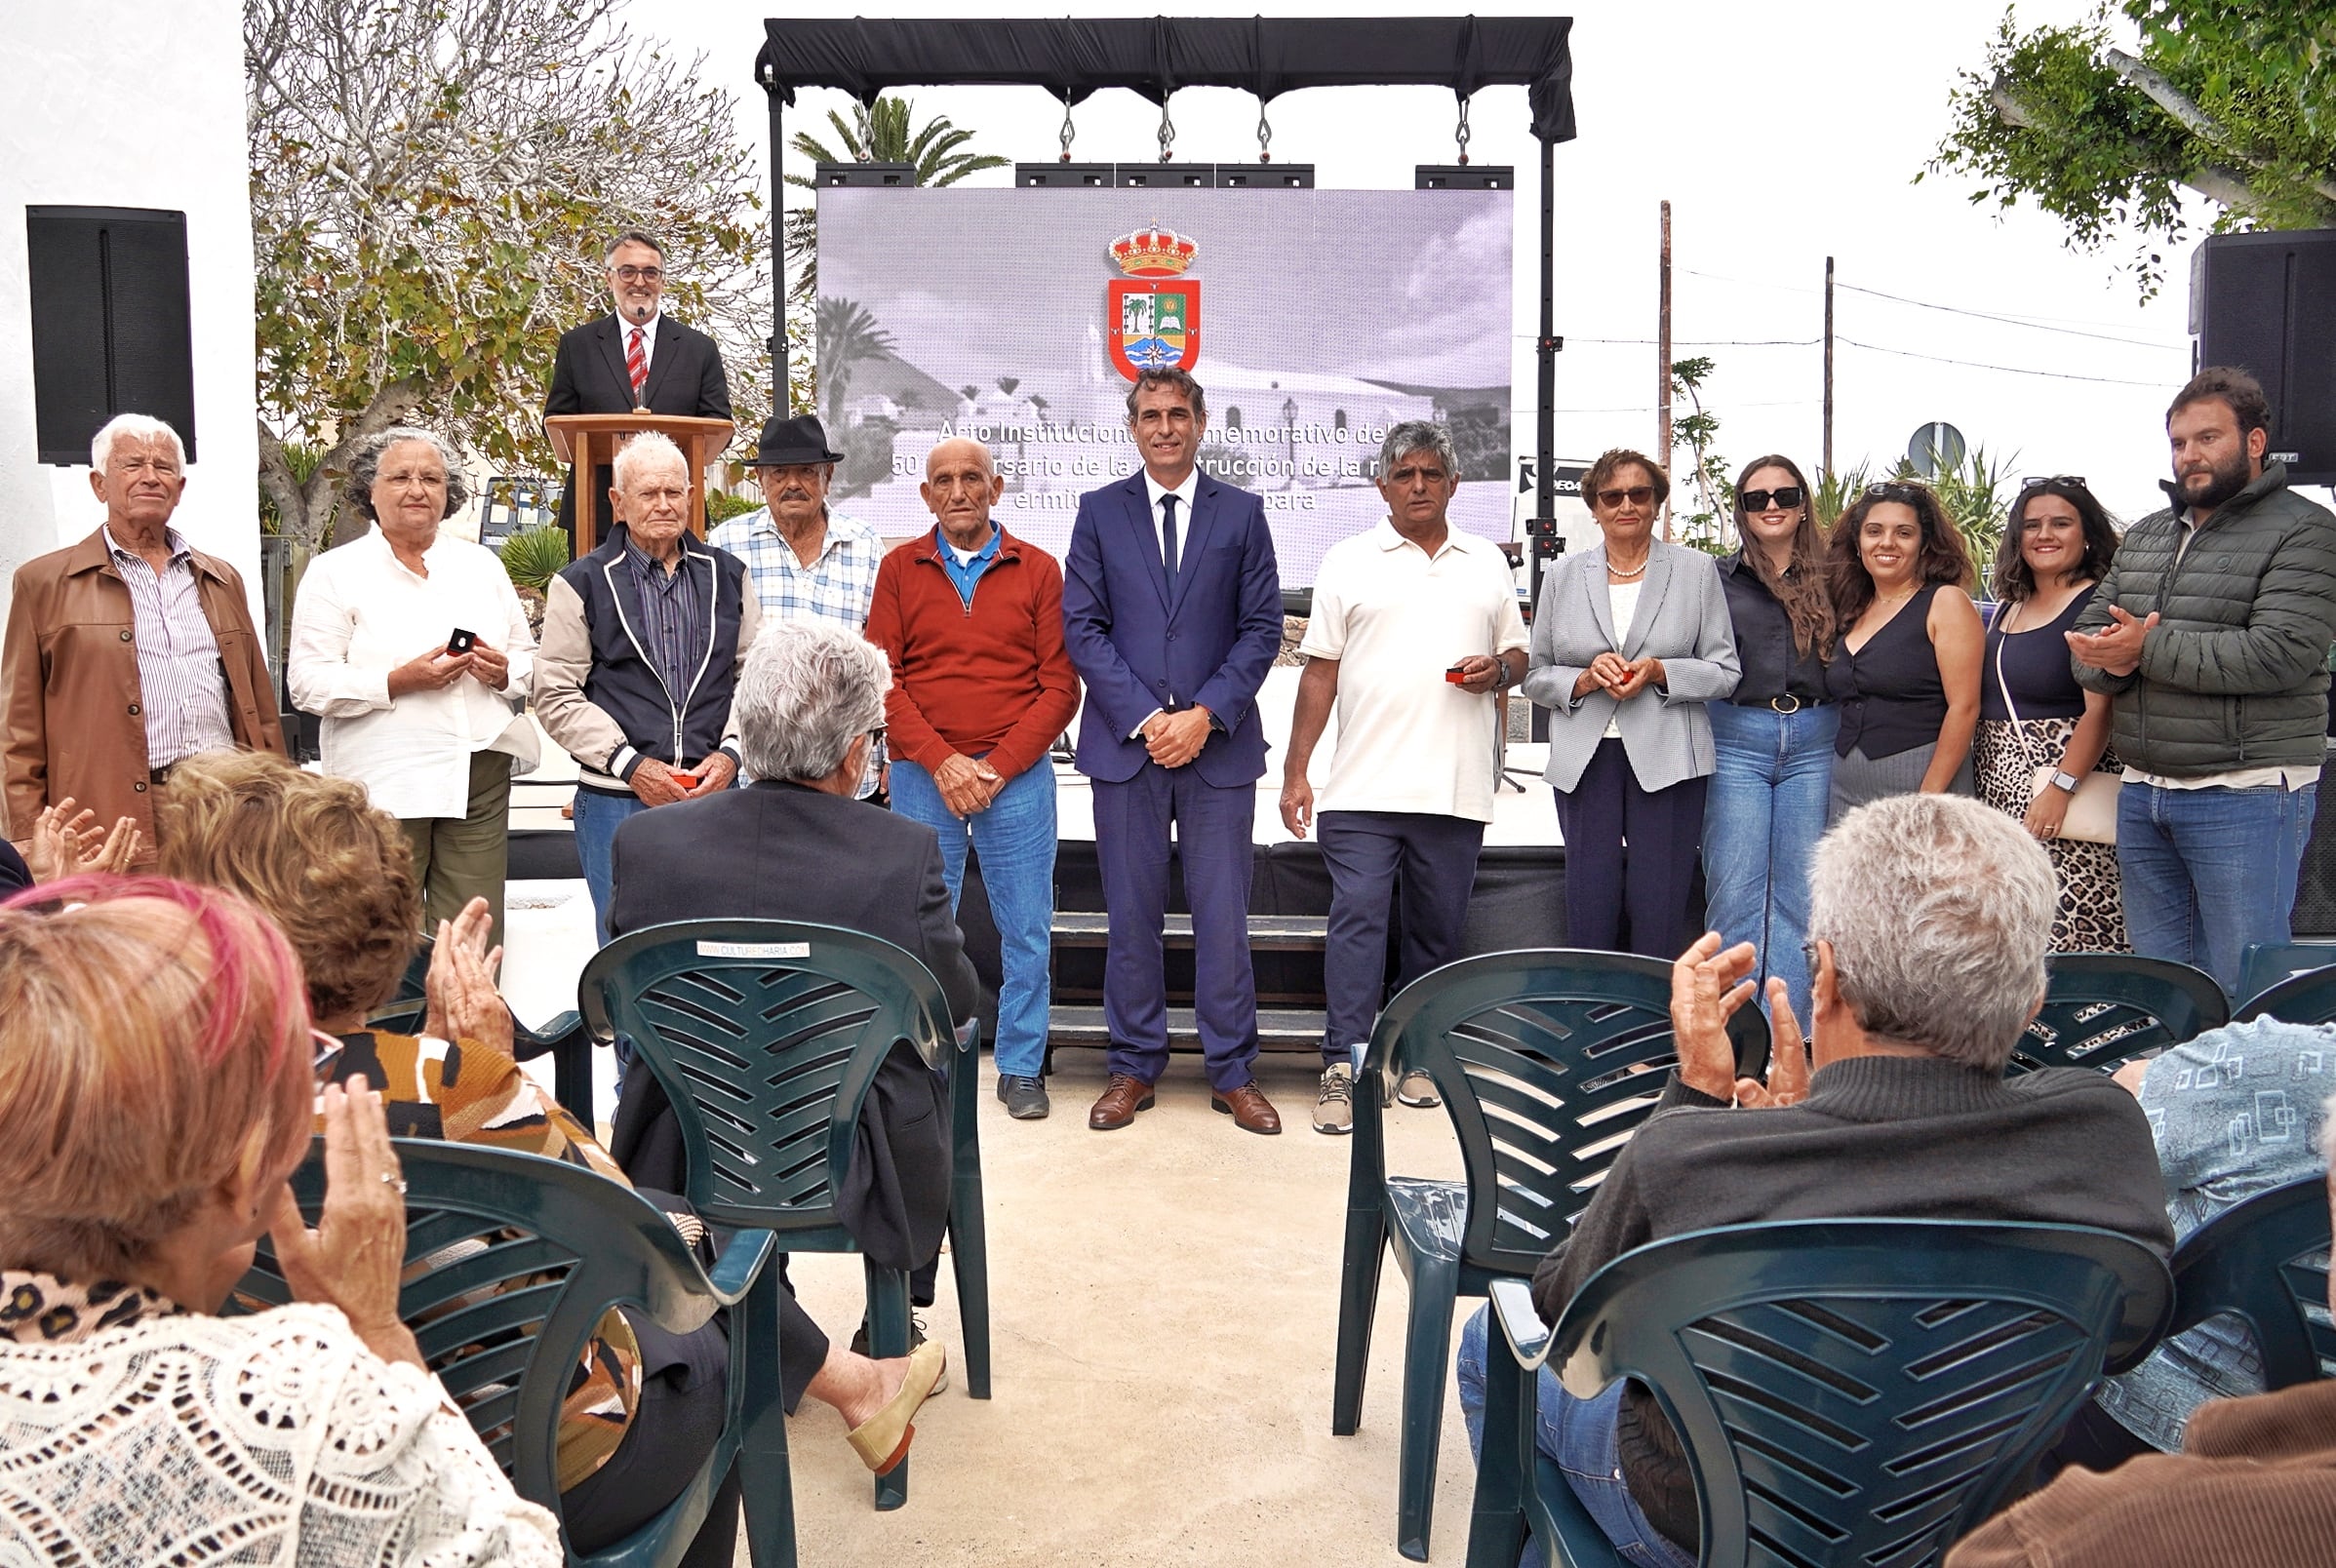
(2229, 101)
(884, 133)
(1704, 485)
(432, 185)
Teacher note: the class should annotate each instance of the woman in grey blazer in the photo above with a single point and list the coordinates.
(1630, 641)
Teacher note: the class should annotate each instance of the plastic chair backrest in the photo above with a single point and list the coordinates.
(2102, 1010)
(2266, 1261)
(766, 1036)
(2265, 964)
(403, 1013)
(2308, 998)
(524, 1255)
(1546, 1061)
(1861, 1392)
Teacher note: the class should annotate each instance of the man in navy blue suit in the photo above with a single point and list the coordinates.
(1171, 610)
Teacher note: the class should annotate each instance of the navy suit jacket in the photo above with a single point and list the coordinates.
(1139, 649)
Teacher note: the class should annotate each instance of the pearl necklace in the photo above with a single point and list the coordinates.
(1613, 570)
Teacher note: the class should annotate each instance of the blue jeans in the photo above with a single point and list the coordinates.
(598, 816)
(2206, 872)
(1016, 840)
(1579, 1434)
(1761, 822)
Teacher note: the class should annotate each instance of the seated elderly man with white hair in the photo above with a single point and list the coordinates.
(1929, 918)
(795, 846)
(643, 641)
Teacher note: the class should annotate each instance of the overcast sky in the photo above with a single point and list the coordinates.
(1780, 133)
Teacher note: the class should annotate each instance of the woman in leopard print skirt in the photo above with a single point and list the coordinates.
(2056, 545)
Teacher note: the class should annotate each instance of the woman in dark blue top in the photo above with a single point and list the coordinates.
(1774, 737)
(2031, 713)
(1907, 674)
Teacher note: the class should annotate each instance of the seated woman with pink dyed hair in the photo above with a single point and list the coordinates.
(158, 1084)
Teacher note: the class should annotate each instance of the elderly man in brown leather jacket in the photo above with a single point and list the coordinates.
(128, 651)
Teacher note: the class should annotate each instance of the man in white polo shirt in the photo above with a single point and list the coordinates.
(1415, 628)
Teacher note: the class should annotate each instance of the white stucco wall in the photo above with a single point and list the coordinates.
(133, 104)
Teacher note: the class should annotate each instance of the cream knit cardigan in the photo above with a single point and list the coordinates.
(276, 1439)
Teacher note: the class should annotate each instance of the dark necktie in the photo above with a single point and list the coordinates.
(1168, 539)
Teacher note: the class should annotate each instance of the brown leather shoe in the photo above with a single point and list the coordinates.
(1122, 1098)
(1249, 1108)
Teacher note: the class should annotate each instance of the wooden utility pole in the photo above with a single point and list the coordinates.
(1662, 369)
(1829, 367)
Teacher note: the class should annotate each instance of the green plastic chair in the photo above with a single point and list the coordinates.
(1848, 1392)
(2265, 1261)
(2308, 998)
(766, 1036)
(564, 1246)
(2103, 1009)
(2265, 964)
(1546, 1061)
(563, 1038)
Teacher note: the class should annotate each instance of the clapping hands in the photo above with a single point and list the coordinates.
(1708, 984)
(67, 843)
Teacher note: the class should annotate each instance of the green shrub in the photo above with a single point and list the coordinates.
(534, 557)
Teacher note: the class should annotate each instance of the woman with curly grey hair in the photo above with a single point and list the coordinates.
(412, 647)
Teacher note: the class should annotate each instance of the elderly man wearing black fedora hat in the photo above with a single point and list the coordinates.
(804, 561)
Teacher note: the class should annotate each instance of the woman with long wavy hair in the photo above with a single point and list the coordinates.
(2057, 545)
(1907, 674)
(1776, 735)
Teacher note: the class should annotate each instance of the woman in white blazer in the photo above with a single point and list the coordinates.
(1631, 639)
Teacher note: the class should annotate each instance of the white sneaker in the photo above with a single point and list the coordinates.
(1334, 1101)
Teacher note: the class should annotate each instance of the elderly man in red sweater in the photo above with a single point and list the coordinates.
(971, 618)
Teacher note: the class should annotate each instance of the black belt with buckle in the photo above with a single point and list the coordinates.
(1788, 703)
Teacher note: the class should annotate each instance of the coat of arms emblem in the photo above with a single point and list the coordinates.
(1155, 322)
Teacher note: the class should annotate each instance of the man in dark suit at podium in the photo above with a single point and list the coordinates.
(1171, 608)
(638, 359)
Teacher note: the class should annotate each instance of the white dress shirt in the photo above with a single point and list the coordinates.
(648, 337)
(360, 614)
(1184, 493)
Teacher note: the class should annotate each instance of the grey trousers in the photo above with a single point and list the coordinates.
(457, 860)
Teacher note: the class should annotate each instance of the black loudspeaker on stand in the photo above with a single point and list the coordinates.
(2265, 302)
(112, 328)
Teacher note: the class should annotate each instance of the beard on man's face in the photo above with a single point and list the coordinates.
(2208, 491)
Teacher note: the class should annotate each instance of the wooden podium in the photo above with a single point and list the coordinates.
(589, 443)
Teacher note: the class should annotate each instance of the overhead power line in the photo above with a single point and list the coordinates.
(2007, 370)
(2010, 321)
(2045, 324)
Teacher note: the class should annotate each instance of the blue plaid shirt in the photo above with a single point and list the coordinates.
(837, 587)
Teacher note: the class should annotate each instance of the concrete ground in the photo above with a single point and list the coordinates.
(1165, 1307)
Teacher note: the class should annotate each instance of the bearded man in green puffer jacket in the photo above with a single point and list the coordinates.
(2210, 634)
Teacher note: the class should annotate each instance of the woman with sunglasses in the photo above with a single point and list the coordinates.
(1631, 640)
(1907, 674)
(1775, 736)
(2057, 545)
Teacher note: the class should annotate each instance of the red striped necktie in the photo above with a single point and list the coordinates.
(636, 363)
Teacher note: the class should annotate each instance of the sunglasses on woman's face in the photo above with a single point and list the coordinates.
(1637, 495)
(1786, 497)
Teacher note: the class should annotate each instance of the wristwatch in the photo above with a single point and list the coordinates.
(2064, 782)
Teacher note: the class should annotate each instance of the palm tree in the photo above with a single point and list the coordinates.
(847, 334)
(879, 133)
